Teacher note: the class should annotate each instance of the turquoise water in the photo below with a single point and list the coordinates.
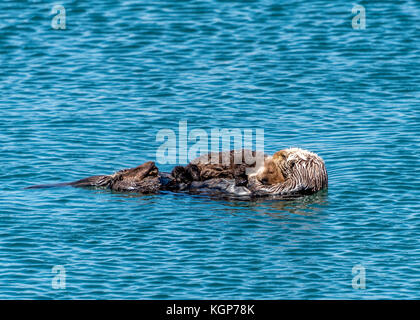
(90, 99)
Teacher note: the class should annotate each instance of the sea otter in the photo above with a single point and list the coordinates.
(288, 172)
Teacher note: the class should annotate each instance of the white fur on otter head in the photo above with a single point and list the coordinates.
(304, 172)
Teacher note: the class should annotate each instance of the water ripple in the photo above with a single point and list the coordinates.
(90, 100)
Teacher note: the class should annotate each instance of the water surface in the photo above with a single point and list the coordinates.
(90, 99)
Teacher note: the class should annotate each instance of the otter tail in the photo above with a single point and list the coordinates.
(52, 185)
(94, 181)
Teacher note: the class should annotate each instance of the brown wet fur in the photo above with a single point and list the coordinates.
(142, 179)
(147, 179)
(272, 172)
(206, 171)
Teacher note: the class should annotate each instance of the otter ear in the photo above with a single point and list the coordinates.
(280, 155)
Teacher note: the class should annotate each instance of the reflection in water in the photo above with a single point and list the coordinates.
(305, 205)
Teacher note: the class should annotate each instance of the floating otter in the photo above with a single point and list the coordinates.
(289, 172)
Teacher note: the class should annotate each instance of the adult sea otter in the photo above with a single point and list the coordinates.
(289, 172)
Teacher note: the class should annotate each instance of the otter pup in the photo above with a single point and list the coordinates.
(291, 171)
(234, 164)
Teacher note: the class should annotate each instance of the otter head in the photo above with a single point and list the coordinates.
(301, 169)
(281, 165)
(275, 169)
